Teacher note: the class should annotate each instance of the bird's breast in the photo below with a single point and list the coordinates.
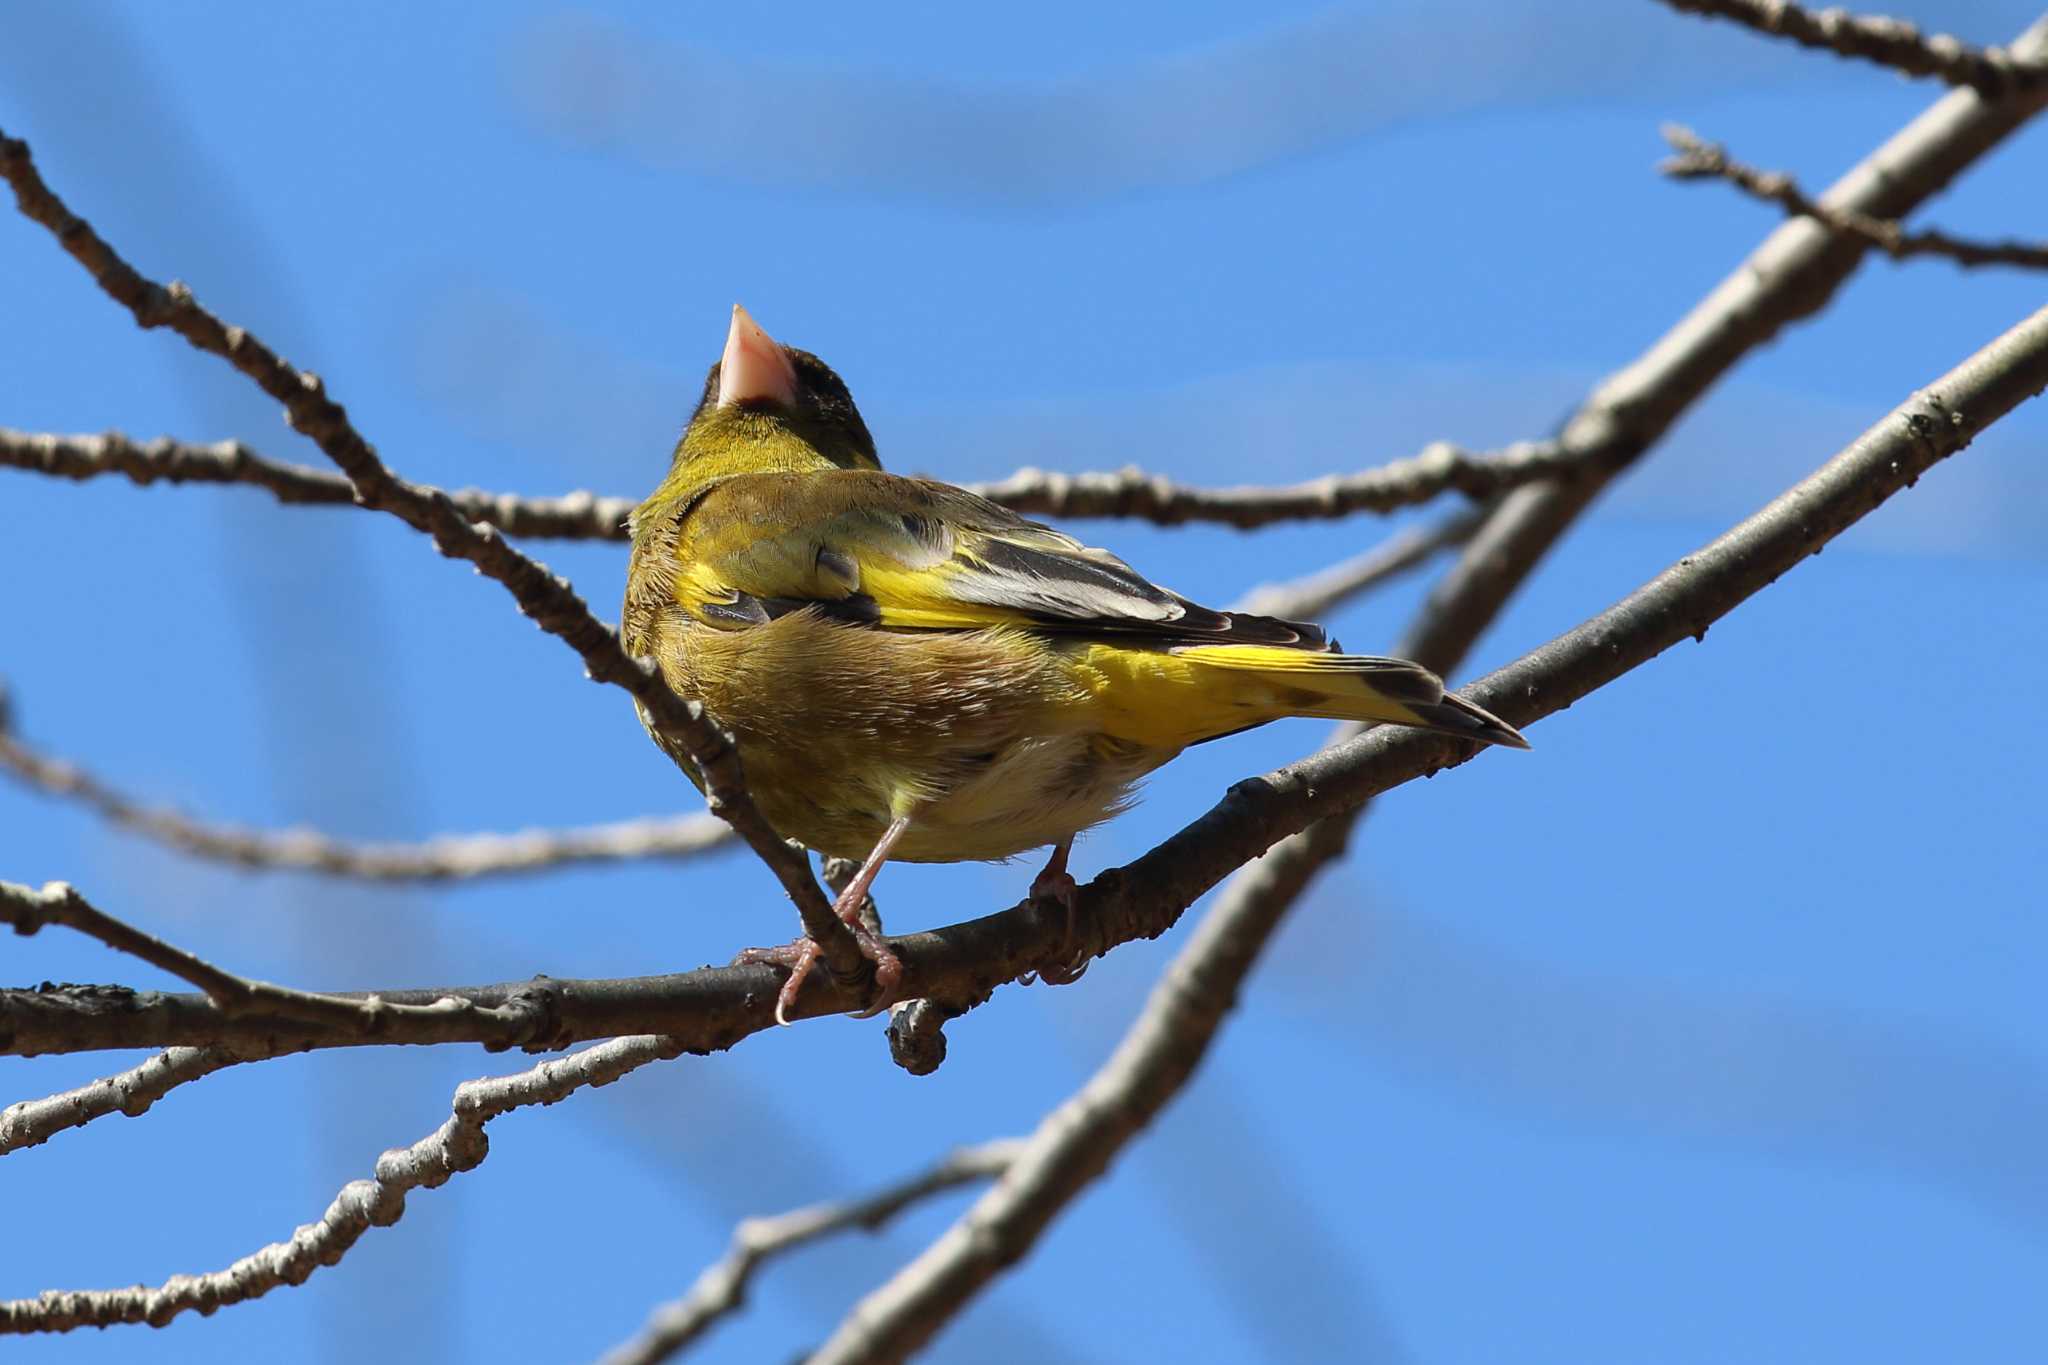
(985, 739)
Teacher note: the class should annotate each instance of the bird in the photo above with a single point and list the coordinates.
(914, 673)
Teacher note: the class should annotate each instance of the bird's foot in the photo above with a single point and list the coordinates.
(1055, 883)
(888, 966)
(796, 958)
(802, 955)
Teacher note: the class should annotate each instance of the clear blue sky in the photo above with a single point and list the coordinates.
(1710, 1030)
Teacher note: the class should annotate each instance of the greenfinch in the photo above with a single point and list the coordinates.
(913, 672)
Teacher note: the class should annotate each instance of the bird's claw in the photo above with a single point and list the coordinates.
(800, 956)
(1056, 884)
(796, 958)
(888, 970)
(1060, 974)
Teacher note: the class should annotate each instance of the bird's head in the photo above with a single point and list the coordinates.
(770, 406)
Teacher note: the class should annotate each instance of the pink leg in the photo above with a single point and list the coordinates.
(802, 955)
(1054, 882)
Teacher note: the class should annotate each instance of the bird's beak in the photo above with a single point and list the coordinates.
(755, 368)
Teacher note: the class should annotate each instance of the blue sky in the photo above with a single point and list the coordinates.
(1709, 1030)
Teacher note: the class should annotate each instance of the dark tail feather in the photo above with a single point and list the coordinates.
(1456, 716)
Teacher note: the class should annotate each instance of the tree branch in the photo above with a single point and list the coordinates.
(721, 1288)
(1701, 160)
(1310, 597)
(1440, 467)
(545, 598)
(1992, 72)
(960, 965)
(236, 997)
(573, 516)
(448, 857)
(457, 1145)
(1792, 275)
(31, 1123)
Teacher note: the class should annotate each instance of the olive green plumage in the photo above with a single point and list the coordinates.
(889, 649)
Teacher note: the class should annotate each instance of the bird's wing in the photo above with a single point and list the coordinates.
(880, 549)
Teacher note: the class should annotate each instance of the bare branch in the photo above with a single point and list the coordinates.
(959, 966)
(31, 1123)
(1309, 598)
(1701, 160)
(1792, 275)
(1439, 468)
(1990, 71)
(573, 516)
(547, 599)
(1076, 1142)
(722, 1287)
(448, 857)
(29, 910)
(457, 1145)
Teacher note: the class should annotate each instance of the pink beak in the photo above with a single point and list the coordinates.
(755, 368)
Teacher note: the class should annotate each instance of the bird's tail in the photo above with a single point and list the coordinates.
(1263, 682)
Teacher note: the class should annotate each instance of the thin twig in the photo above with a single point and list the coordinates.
(547, 599)
(721, 1288)
(572, 516)
(29, 911)
(959, 965)
(33, 1122)
(1701, 160)
(1792, 275)
(1075, 1143)
(448, 857)
(457, 1145)
(1992, 72)
(1438, 468)
(1309, 597)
